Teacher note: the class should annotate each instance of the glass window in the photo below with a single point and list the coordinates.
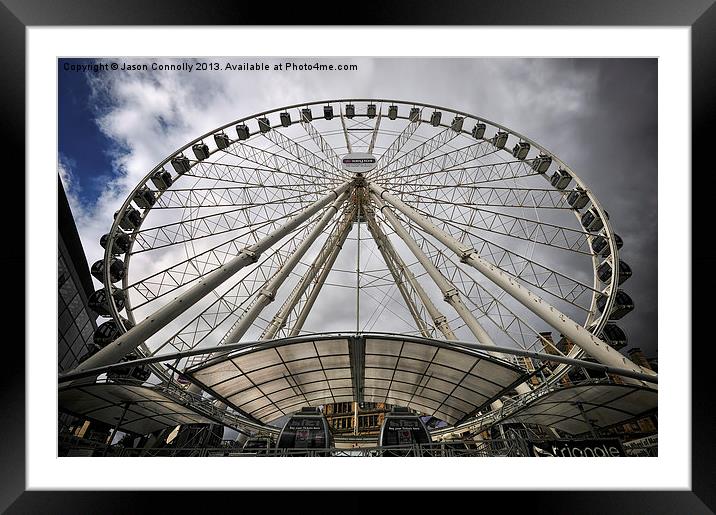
(72, 333)
(64, 322)
(87, 331)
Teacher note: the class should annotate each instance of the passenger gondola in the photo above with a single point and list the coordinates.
(242, 131)
(328, 112)
(131, 219)
(577, 198)
(350, 110)
(592, 221)
(264, 125)
(108, 332)
(162, 179)
(622, 305)
(614, 336)
(541, 163)
(393, 112)
(371, 110)
(457, 123)
(520, 150)
(120, 243)
(99, 303)
(500, 139)
(201, 151)
(561, 179)
(306, 429)
(222, 140)
(181, 164)
(604, 272)
(402, 430)
(435, 118)
(144, 198)
(478, 131)
(600, 245)
(116, 270)
(285, 119)
(414, 114)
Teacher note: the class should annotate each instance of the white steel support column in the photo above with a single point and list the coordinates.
(301, 318)
(279, 320)
(268, 293)
(396, 269)
(592, 345)
(389, 254)
(130, 340)
(448, 289)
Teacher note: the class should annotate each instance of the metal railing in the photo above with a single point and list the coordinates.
(456, 448)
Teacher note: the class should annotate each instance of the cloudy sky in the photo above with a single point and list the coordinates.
(597, 115)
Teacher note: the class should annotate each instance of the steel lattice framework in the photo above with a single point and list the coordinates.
(256, 231)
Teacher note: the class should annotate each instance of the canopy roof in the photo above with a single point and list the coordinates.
(271, 379)
(603, 404)
(149, 409)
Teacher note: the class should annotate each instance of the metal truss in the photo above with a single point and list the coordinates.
(334, 159)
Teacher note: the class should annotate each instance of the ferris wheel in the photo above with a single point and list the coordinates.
(360, 215)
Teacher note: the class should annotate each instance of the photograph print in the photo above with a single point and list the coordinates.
(384, 257)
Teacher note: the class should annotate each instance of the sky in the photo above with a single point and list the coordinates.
(597, 115)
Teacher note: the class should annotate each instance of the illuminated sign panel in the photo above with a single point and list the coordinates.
(358, 162)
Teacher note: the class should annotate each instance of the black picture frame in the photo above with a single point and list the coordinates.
(700, 15)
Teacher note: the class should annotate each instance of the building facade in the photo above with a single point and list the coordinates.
(356, 418)
(76, 322)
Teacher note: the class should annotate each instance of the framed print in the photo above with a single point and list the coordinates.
(283, 247)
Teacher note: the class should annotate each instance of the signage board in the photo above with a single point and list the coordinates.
(358, 162)
(602, 448)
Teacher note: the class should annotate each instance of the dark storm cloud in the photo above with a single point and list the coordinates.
(615, 152)
(598, 115)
